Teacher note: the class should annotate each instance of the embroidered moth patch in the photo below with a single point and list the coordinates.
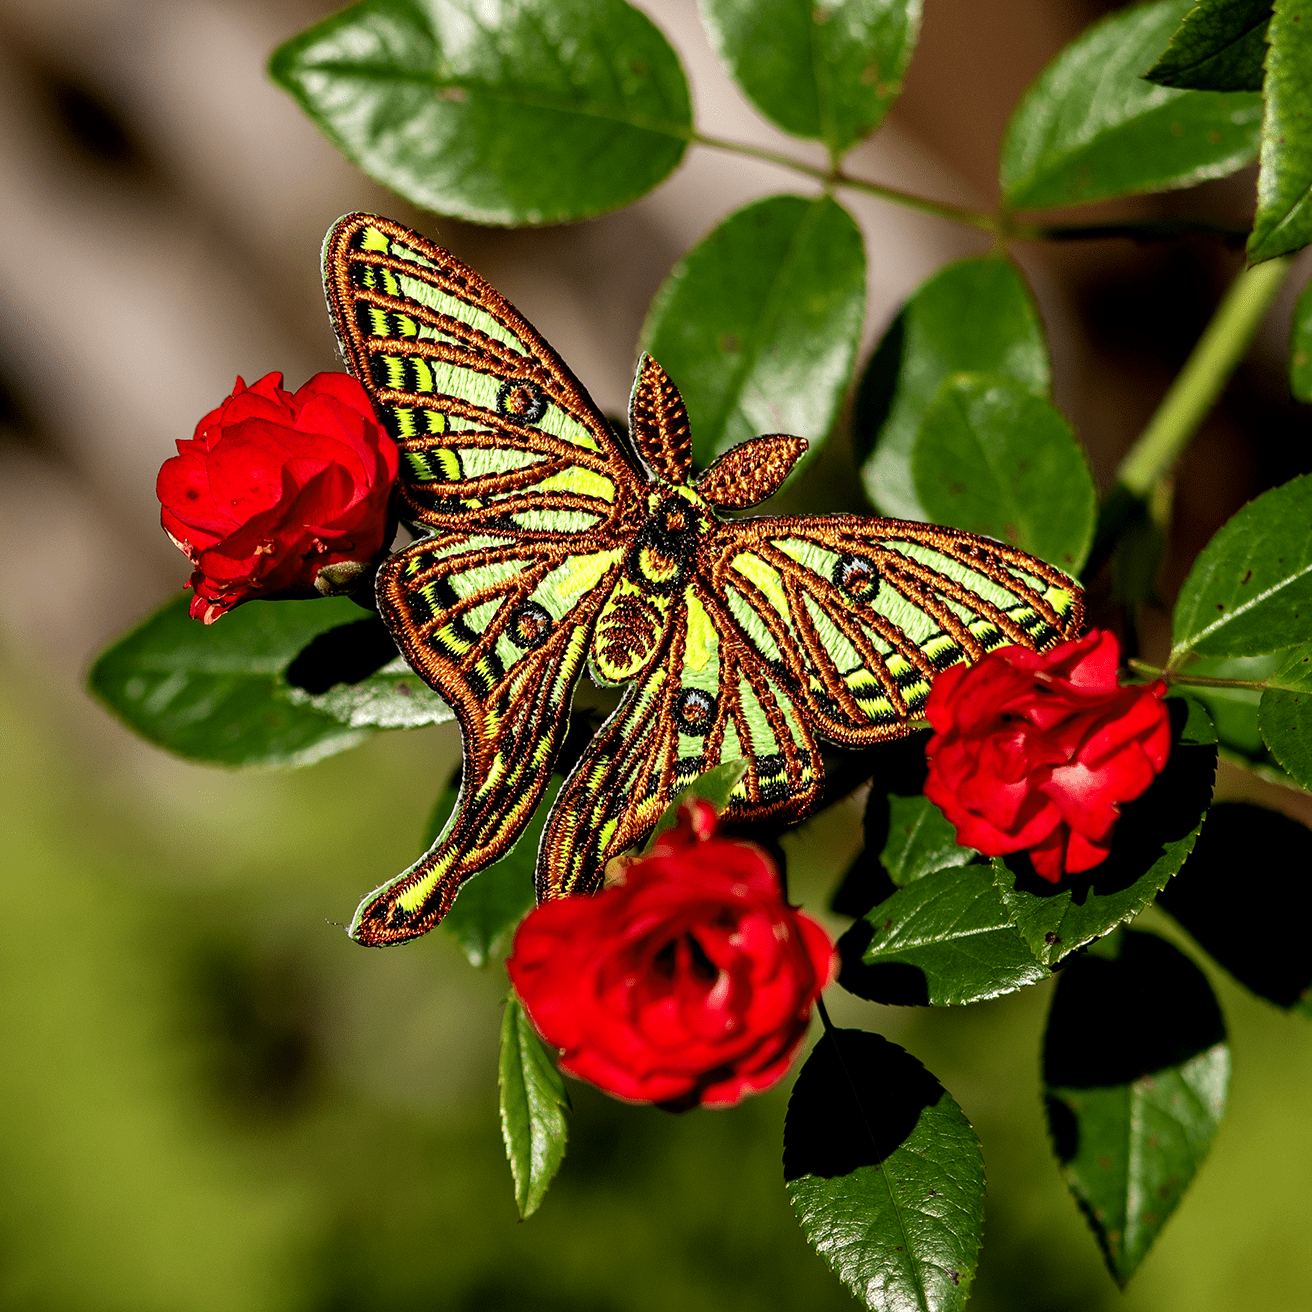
(548, 546)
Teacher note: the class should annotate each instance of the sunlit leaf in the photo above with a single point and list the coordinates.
(533, 1107)
(1250, 589)
(1136, 1070)
(1285, 715)
(995, 459)
(921, 839)
(534, 112)
(759, 324)
(219, 693)
(1283, 222)
(943, 940)
(976, 315)
(1090, 127)
(1220, 46)
(828, 70)
(885, 1175)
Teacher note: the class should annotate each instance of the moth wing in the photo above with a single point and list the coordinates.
(858, 615)
(706, 698)
(499, 626)
(494, 429)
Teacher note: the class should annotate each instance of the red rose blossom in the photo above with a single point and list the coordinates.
(688, 980)
(1037, 751)
(279, 494)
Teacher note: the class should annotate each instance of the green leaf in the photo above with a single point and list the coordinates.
(898, 771)
(1136, 1069)
(1300, 348)
(354, 673)
(490, 905)
(1090, 126)
(218, 693)
(1283, 222)
(1267, 953)
(976, 315)
(1153, 838)
(829, 70)
(994, 458)
(1220, 46)
(1285, 715)
(538, 111)
(1250, 589)
(944, 940)
(759, 324)
(1234, 710)
(714, 786)
(885, 1174)
(533, 1107)
(921, 839)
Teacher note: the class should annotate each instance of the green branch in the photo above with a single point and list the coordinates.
(1204, 376)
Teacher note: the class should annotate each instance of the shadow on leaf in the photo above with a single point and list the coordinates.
(349, 653)
(857, 1100)
(894, 983)
(1266, 950)
(1115, 1021)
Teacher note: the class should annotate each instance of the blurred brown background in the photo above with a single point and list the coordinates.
(208, 1097)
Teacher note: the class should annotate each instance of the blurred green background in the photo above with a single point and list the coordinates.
(209, 1098)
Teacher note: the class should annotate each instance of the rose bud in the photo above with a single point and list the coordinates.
(280, 494)
(687, 980)
(1037, 751)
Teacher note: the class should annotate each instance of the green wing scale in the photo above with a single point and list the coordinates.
(546, 545)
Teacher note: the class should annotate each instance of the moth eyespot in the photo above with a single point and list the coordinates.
(856, 577)
(521, 400)
(529, 625)
(694, 711)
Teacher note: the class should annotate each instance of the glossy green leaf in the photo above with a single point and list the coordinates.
(536, 111)
(1269, 954)
(1250, 589)
(1300, 348)
(1152, 840)
(829, 70)
(1090, 126)
(533, 1107)
(1220, 46)
(1234, 710)
(491, 904)
(1136, 1069)
(1283, 222)
(714, 787)
(885, 1174)
(759, 324)
(945, 939)
(994, 458)
(921, 839)
(898, 770)
(219, 693)
(1285, 715)
(976, 315)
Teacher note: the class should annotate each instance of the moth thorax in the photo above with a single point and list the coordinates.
(629, 632)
